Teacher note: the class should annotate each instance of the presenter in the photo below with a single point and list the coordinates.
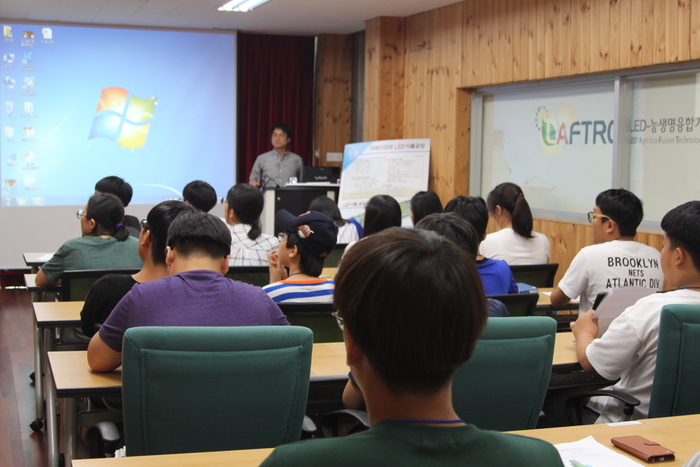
(275, 168)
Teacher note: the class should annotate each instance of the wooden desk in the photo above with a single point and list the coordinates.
(30, 282)
(35, 260)
(681, 434)
(48, 316)
(71, 378)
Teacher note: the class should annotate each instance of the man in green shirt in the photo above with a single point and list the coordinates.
(411, 308)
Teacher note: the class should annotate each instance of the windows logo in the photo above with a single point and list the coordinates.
(122, 118)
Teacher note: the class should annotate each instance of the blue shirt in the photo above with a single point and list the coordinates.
(496, 277)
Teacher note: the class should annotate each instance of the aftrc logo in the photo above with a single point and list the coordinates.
(567, 129)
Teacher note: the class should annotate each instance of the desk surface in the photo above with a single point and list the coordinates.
(57, 314)
(30, 282)
(73, 378)
(34, 259)
(681, 434)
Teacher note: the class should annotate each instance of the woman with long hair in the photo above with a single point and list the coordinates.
(515, 242)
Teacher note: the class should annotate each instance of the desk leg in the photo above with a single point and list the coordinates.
(38, 372)
(69, 418)
(50, 392)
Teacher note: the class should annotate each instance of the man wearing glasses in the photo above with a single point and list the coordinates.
(615, 260)
(278, 167)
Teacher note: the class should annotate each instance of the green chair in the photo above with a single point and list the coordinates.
(333, 259)
(536, 275)
(676, 387)
(258, 276)
(76, 284)
(193, 389)
(503, 385)
(315, 316)
(518, 304)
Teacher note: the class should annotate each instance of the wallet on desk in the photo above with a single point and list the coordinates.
(649, 451)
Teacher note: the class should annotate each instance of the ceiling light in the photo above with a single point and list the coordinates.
(241, 5)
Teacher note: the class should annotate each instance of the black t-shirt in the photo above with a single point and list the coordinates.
(103, 296)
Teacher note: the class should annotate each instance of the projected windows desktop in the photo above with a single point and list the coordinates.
(156, 108)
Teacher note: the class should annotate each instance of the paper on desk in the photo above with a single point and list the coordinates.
(591, 453)
(615, 303)
(45, 257)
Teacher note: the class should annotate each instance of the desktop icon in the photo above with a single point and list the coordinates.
(29, 181)
(47, 33)
(7, 201)
(29, 132)
(122, 118)
(21, 201)
(28, 34)
(38, 201)
(7, 31)
(8, 58)
(27, 58)
(9, 82)
(11, 156)
(9, 132)
(9, 107)
(10, 182)
(28, 82)
(28, 107)
(28, 156)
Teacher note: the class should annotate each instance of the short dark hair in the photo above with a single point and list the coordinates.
(682, 227)
(510, 197)
(158, 220)
(284, 127)
(116, 186)
(108, 213)
(473, 210)
(309, 263)
(247, 202)
(414, 303)
(454, 228)
(424, 203)
(623, 207)
(199, 233)
(329, 208)
(381, 212)
(200, 194)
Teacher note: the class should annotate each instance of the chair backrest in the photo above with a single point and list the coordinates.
(76, 284)
(315, 316)
(193, 389)
(676, 387)
(254, 275)
(333, 259)
(537, 275)
(503, 385)
(518, 304)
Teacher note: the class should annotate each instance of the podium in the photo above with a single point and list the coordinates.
(295, 198)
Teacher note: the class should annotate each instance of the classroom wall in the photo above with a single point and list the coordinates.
(418, 68)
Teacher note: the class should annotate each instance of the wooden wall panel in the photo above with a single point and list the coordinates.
(333, 95)
(694, 28)
(384, 78)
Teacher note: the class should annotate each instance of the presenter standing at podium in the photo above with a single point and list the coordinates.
(275, 168)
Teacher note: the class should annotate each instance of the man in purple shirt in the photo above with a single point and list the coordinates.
(195, 292)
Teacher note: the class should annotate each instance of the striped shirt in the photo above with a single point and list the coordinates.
(247, 252)
(312, 291)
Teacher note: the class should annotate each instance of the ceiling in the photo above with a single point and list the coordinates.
(287, 17)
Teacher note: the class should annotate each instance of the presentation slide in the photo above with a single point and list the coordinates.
(154, 107)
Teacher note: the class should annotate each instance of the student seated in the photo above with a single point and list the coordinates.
(424, 203)
(347, 230)
(242, 210)
(456, 229)
(106, 292)
(627, 350)
(200, 195)
(615, 260)
(381, 212)
(495, 273)
(122, 190)
(515, 242)
(105, 243)
(306, 241)
(195, 292)
(411, 311)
